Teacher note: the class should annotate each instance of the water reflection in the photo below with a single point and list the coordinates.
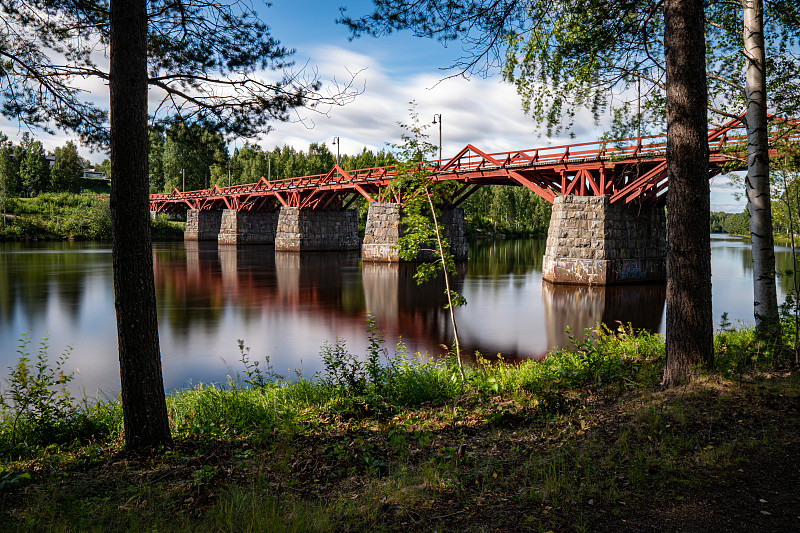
(578, 308)
(286, 305)
(403, 308)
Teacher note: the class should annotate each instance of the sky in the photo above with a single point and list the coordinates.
(390, 73)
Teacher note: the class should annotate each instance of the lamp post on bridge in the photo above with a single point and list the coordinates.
(337, 143)
(439, 116)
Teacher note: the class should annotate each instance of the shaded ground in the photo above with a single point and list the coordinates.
(716, 456)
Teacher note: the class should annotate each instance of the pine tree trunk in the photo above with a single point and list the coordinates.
(143, 403)
(765, 299)
(689, 339)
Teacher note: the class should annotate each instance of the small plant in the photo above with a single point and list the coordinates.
(422, 237)
(342, 369)
(37, 395)
(256, 377)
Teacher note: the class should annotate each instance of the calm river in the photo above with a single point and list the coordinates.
(286, 305)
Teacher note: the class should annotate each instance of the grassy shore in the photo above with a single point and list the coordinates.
(582, 441)
(69, 216)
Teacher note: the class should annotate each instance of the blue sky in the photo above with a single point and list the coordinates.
(393, 71)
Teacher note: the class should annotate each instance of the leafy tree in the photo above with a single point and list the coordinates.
(738, 223)
(320, 159)
(9, 172)
(718, 219)
(368, 159)
(192, 150)
(210, 63)
(422, 237)
(250, 163)
(67, 169)
(155, 160)
(8, 176)
(104, 168)
(508, 210)
(34, 170)
(786, 185)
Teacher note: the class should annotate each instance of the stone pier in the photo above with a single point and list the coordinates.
(247, 227)
(383, 231)
(202, 225)
(310, 230)
(593, 242)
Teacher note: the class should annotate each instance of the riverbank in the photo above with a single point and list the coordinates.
(583, 441)
(55, 217)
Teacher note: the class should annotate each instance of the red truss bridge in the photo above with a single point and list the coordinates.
(627, 170)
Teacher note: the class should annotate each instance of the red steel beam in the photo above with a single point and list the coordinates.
(590, 168)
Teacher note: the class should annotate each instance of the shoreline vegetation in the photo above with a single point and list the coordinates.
(86, 216)
(62, 216)
(584, 440)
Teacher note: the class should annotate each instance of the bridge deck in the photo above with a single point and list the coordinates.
(628, 170)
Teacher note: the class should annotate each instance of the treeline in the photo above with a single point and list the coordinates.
(200, 157)
(26, 172)
(193, 157)
(507, 210)
(730, 223)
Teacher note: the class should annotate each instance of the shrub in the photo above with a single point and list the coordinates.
(38, 410)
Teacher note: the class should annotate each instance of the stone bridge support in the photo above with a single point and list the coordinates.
(593, 242)
(310, 230)
(383, 231)
(202, 225)
(247, 227)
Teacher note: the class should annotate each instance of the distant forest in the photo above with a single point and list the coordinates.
(205, 161)
(730, 223)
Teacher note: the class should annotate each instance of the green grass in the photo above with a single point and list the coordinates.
(70, 216)
(408, 446)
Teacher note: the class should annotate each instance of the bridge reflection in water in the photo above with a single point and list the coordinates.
(304, 299)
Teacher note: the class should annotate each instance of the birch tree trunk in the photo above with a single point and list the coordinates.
(765, 299)
(689, 338)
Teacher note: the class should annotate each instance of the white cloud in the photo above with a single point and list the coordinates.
(484, 112)
(722, 195)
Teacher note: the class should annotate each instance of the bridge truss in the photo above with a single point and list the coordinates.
(627, 170)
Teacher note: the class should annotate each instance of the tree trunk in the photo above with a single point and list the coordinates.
(143, 402)
(689, 339)
(765, 299)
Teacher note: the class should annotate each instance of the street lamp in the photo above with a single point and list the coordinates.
(439, 116)
(337, 143)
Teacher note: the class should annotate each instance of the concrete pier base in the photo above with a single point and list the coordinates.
(592, 242)
(202, 225)
(383, 231)
(247, 227)
(309, 230)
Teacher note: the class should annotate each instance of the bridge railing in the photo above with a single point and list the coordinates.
(471, 159)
